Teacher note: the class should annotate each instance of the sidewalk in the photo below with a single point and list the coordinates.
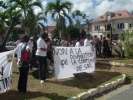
(123, 93)
(110, 61)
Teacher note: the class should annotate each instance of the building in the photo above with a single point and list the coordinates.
(112, 23)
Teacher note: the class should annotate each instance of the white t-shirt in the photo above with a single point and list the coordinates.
(41, 44)
(87, 42)
(77, 44)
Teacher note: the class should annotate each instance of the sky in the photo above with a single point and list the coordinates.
(95, 8)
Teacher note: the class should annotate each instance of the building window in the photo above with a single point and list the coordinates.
(120, 26)
(130, 25)
(97, 28)
(108, 27)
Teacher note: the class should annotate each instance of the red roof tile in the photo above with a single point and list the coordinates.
(115, 15)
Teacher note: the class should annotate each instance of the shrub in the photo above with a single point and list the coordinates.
(127, 43)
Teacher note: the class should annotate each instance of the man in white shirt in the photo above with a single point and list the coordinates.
(87, 41)
(78, 43)
(41, 54)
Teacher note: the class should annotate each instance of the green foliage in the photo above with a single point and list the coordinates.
(18, 12)
(127, 42)
(59, 11)
(73, 32)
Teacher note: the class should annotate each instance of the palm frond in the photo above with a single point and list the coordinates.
(37, 4)
(67, 5)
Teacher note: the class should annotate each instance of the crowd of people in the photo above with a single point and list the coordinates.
(101, 44)
(31, 52)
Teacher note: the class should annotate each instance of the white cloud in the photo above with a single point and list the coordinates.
(113, 5)
(94, 8)
(37, 9)
(81, 5)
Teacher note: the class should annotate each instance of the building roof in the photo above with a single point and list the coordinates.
(122, 14)
(51, 28)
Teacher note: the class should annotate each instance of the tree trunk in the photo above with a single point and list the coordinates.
(2, 47)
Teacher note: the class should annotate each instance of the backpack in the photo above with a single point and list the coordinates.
(25, 55)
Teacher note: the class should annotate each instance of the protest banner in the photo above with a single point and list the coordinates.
(5, 70)
(71, 60)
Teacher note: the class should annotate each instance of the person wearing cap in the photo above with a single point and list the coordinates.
(23, 57)
(41, 54)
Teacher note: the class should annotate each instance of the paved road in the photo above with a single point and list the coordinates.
(124, 93)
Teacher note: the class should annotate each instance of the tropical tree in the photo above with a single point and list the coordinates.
(9, 17)
(127, 43)
(29, 19)
(73, 32)
(20, 12)
(59, 11)
(78, 16)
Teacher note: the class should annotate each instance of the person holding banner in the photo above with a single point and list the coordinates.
(41, 54)
(87, 41)
(78, 43)
(23, 56)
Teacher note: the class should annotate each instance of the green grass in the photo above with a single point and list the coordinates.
(58, 90)
(55, 89)
(113, 79)
(126, 61)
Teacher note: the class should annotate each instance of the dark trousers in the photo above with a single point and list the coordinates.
(106, 52)
(23, 77)
(43, 70)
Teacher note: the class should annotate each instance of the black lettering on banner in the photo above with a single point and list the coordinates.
(78, 52)
(8, 83)
(86, 66)
(79, 68)
(1, 71)
(60, 51)
(73, 61)
(4, 84)
(75, 51)
(76, 56)
(64, 62)
(0, 86)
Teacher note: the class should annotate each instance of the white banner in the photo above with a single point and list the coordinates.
(5, 70)
(71, 60)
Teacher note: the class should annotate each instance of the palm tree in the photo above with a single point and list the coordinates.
(78, 15)
(18, 12)
(29, 19)
(9, 17)
(59, 11)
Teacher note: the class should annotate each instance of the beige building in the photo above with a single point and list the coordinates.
(112, 22)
